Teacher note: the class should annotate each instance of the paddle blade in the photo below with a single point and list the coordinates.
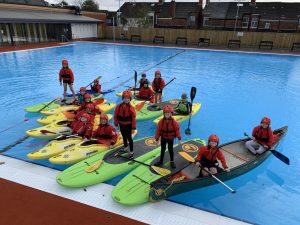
(187, 156)
(93, 167)
(135, 77)
(139, 106)
(98, 78)
(245, 134)
(47, 131)
(187, 131)
(281, 157)
(99, 101)
(193, 93)
(161, 171)
(69, 115)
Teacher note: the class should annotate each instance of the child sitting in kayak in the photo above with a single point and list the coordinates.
(142, 80)
(184, 106)
(263, 137)
(124, 116)
(96, 87)
(83, 126)
(158, 85)
(105, 134)
(80, 99)
(208, 155)
(67, 78)
(167, 129)
(89, 107)
(145, 92)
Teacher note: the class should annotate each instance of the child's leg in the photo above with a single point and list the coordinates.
(65, 90)
(72, 90)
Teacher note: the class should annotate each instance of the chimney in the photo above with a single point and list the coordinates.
(253, 2)
(172, 8)
(160, 2)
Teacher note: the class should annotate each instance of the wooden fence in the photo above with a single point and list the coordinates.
(249, 39)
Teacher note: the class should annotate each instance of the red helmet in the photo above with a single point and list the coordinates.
(103, 116)
(87, 96)
(126, 94)
(82, 89)
(168, 109)
(214, 138)
(157, 72)
(266, 120)
(64, 62)
(96, 81)
(85, 115)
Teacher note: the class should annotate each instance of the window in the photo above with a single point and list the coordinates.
(205, 21)
(254, 22)
(267, 25)
(245, 22)
(192, 19)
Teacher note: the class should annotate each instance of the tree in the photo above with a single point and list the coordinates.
(90, 5)
(63, 3)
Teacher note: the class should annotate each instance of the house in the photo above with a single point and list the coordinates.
(252, 16)
(161, 14)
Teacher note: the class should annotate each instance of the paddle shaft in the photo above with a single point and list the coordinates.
(47, 105)
(135, 80)
(111, 80)
(93, 81)
(193, 90)
(134, 160)
(13, 126)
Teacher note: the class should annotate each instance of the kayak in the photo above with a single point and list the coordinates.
(181, 118)
(106, 165)
(55, 147)
(135, 187)
(98, 102)
(92, 92)
(151, 111)
(58, 128)
(84, 150)
(69, 114)
(239, 160)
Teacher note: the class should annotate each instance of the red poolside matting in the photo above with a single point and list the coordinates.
(21, 205)
(28, 46)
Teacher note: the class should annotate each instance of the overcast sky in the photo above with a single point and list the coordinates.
(113, 5)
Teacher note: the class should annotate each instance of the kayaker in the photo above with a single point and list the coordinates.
(158, 85)
(66, 77)
(89, 107)
(142, 80)
(184, 106)
(208, 155)
(83, 126)
(262, 137)
(80, 98)
(167, 130)
(105, 134)
(145, 92)
(96, 87)
(124, 117)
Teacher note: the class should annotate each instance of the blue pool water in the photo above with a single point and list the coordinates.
(235, 89)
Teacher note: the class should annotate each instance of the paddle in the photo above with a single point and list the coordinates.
(135, 80)
(161, 171)
(49, 103)
(25, 120)
(192, 160)
(170, 81)
(193, 94)
(97, 78)
(277, 154)
(67, 135)
(111, 80)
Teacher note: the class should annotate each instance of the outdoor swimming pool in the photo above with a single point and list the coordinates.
(235, 89)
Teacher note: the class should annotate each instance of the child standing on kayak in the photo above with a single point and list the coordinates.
(208, 155)
(106, 134)
(67, 78)
(184, 106)
(263, 137)
(96, 87)
(124, 117)
(158, 85)
(167, 129)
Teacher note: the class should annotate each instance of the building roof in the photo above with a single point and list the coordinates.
(10, 15)
(182, 9)
(138, 9)
(266, 10)
(27, 2)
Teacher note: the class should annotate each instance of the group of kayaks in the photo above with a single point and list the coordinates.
(96, 163)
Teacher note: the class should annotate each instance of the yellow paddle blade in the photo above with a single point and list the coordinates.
(161, 171)
(93, 167)
(98, 78)
(187, 156)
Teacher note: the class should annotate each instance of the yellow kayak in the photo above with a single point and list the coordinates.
(181, 118)
(55, 147)
(55, 129)
(70, 115)
(84, 150)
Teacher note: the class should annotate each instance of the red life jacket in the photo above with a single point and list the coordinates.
(145, 93)
(211, 155)
(90, 107)
(168, 129)
(158, 84)
(124, 114)
(66, 75)
(263, 136)
(82, 128)
(106, 134)
(96, 88)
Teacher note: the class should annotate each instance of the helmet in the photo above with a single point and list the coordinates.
(82, 89)
(87, 96)
(126, 94)
(157, 72)
(103, 116)
(146, 82)
(266, 120)
(144, 74)
(168, 108)
(184, 96)
(213, 137)
(64, 62)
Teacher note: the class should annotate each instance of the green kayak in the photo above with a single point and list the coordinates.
(107, 165)
(151, 111)
(135, 187)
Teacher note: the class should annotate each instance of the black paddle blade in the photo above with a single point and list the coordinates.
(135, 76)
(281, 157)
(187, 131)
(193, 93)
(245, 134)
